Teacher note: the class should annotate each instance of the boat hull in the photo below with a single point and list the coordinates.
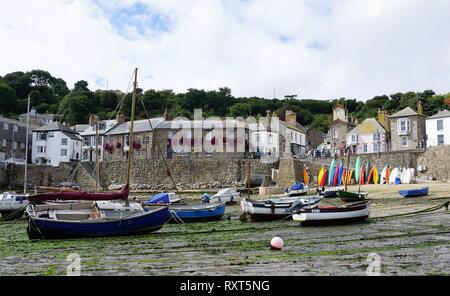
(145, 222)
(333, 215)
(198, 213)
(414, 192)
(352, 196)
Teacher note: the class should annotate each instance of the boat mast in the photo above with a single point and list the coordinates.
(26, 147)
(131, 137)
(97, 158)
(348, 168)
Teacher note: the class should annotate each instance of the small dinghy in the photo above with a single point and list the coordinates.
(187, 213)
(352, 196)
(414, 192)
(329, 192)
(227, 195)
(328, 215)
(276, 208)
(298, 189)
(12, 205)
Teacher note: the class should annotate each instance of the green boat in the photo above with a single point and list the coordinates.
(352, 196)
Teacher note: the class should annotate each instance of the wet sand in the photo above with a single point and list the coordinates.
(407, 245)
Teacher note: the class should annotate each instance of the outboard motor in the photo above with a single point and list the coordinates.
(206, 197)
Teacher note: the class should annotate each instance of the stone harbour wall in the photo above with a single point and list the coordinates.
(434, 163)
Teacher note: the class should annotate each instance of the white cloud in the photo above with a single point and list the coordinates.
(317, 49)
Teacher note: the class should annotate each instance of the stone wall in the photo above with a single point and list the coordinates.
(436, 163)
(39, 175)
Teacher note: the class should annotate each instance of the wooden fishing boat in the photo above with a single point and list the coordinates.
(326, 215)
(12, 205)
(187, 213)
(57, 189)
(100, 218)
(414, 192)
(330, 192)
(276, 208)
(352, 196)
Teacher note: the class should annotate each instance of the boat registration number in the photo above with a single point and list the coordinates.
(315, 211)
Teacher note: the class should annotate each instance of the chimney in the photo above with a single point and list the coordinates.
(420, 108)
(268, 118)
(291, 117)
(383, 119)
(120, 118)
(166, 115)
(92, 119)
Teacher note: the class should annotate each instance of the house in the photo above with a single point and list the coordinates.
(408, 129)
(315, 138)
(438, 129)
(37, 119)
(13, 140)
(116, 140)
(296, 133)
(367, 137)
(55, 143)
(90, 133)
(337, 132)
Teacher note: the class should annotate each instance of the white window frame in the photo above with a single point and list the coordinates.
(5, 126)
(404, 128)
(443, 140)
(401, 141)
(354, 138)
(440, 128)
(365, 148)
(16, 128)
(64, 141)
(63, 152)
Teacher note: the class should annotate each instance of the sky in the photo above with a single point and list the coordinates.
(320, 49)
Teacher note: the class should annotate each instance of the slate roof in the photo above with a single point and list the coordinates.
(55, 126)
(440, 114)
(408, 111)
(368, 126)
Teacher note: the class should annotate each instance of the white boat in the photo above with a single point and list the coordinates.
(332, 214)
(297, 190)
(227, 195)
(12, 205)
(276, 208)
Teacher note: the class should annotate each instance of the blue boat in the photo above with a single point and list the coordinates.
(79, 220)
(187, 213)
(414, 192)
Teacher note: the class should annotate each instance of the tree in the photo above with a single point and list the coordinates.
(81, 85)
(240, 109)
(7, 98)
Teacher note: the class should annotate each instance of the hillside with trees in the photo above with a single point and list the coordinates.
(52, 95)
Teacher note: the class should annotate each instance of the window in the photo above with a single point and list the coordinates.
(51, 135)
(86, 141)
(376, 147)
(376, 137)
(64, 141)
(127, 140)
(404, 141)
(4, 143)
(5, 126)
(42, 136)
(440, 125)
(146, 140)
(22, 146)
(258, 138)
(63, 152)
(41, 149)
(440, 140)
(270, 139)
(16, 129)
(335, 133)
(354, 139)
(404, 125)
(365, 148)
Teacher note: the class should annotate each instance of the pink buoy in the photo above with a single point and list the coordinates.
(277, 243)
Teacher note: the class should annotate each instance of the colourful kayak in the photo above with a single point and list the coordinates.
(357, 169)
(331, 173)
(320, 175)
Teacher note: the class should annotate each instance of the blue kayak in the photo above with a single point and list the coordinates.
(414, 192)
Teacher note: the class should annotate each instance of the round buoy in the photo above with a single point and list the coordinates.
(277, 243)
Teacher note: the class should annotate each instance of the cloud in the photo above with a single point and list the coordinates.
(316, 49)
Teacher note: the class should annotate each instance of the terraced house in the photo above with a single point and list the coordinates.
(408, 129)
(13, 135)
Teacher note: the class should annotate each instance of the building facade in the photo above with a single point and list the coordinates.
(13, 135)
(38, 119)
(367, 137)
(407, 129)
(55, 143)
(438, 129)
(337, 133)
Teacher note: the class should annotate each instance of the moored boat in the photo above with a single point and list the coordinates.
(227, 195)
(318, 215)
(276, 208)
(414, 192)
(12, 205)
(297, 189)
(352, 196)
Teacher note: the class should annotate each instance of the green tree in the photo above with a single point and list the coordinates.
(7, 99)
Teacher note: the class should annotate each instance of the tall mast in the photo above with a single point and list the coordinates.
(26, 147)
(131, 137)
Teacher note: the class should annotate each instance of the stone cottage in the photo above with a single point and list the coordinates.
(408, 129)
(337, 133)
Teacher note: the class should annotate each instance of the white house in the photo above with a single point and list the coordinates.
(55, 143)
(438, 129)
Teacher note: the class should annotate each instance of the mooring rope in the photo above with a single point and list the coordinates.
(427, 210)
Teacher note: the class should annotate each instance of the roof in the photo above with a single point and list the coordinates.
(408, 111)
(368, 126)
(55, 126)
(139, 126)
(16, 122)
(298, 127)
(72, 136)
(80, 127)
(440, 114)
(344, 122)
(33, 112)
(109, 124)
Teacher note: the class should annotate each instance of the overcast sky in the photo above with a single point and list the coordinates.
(312, 48)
